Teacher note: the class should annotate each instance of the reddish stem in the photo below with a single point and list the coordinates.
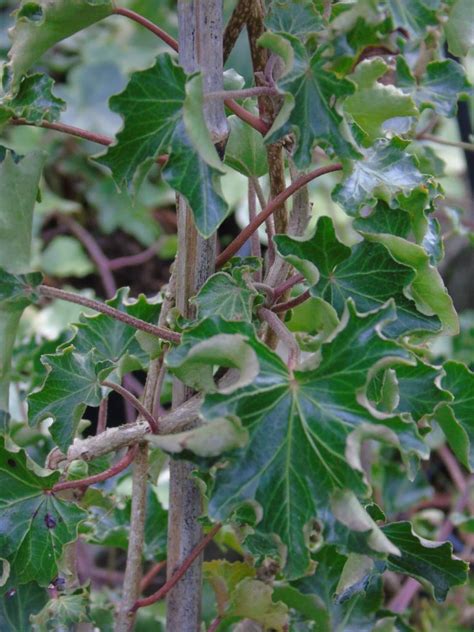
(133, 260)
(136, 17)
(247, 116)
(215, 624)
(95, 252)
(284, 334)
(294, 302)
(287, 285)
(136, 323)
(135, 403)
(277, 201)
(164, 590)
(151, 574)
(120, 466)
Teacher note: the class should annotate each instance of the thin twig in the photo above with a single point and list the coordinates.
(164, 590)
(95, 252)
(451, 143)
(133, 568)
(287, 285)
(269, 223)
(284, 334)
(82, 483)
(135, 260)
(293, 302)
(100, 139)
(453, 468)
(136, 17)
(151, 574)
(135, 403)
(240, 240)
(136, 323)
(102, 417)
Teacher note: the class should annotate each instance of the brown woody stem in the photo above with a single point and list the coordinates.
(294, 302)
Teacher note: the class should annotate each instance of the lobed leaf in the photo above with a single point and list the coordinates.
(35, 525)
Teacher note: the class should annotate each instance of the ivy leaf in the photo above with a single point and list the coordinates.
(18, 604)
(366, 273)
(458, 29)
(358, 611)
(19, 179)
(63, 611)
(224, 576)
(35, 524)
(295, 460)
(34, 101)
(414, 16)
(298, 18)
(162, 112)
(225, 295)
(373, 103)
(245, 149)
(41, 24)
(438, 89)
(197, 181)
(73, 382)
(314, 117)
(252, 599)
(385, 172)
(113, 340)
(19, 290)
(419, 390)
(151, 107)
(456, 419)
(427, 288)
(64, 257)
(429, 562)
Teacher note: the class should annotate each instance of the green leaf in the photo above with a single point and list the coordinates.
(64, 256)
(419, 390)
(73, 382)
(459, 28)
(299, 18)
(366, 273)
(427, 288)
(18, 604)
(414, 16)
(162, 112)
(41, 24)
(19, 179)
(385, 172)
(308, 607)
(429, 562)
(252, 599)
(230, 297)
(204, 347)
(398, 492)
(197, 181)
(35, 524)
(62, 612)
(373, 103)
(34, 101)
(224, 577)
(245, 149)
(295, 461)
(151, 107)
(357, 611)
(314, 117)
(19, 290)
(439, 88)
(457, 420)
(113, 340)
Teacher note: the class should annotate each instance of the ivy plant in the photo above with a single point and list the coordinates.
(285, 378)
